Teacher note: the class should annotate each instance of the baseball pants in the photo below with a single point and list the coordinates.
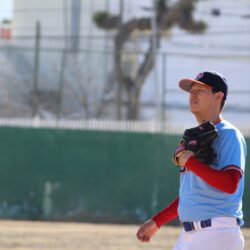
(224, 234)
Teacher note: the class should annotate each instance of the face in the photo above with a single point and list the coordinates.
(201, 99)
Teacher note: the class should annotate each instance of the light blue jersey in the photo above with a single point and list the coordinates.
(200, 201)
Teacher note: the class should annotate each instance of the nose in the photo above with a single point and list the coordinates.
(193, 92)
(193, 97)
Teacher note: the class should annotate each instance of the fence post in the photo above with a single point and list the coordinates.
(36, 69)
(164, 89)
(61, 83)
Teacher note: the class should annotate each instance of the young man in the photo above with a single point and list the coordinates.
(209, 204)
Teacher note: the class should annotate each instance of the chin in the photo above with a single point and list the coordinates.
(194, 110)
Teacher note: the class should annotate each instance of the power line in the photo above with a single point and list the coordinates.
(224, 13)
(206, 55)
(26, 10)
(40, 10)
(101, 36)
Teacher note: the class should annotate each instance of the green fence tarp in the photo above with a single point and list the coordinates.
(88, 175)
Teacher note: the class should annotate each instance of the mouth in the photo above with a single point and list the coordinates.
(193, 102)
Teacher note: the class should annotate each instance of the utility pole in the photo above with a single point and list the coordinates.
(154, 44)
(75, 24)
(155, 47)
(36, 70)
(65, 21)
(118, 72)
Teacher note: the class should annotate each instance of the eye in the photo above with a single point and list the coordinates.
(197, 91)
(201, 90)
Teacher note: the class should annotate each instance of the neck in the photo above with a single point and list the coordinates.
(215, 118)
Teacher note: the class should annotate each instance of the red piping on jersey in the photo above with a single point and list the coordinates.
(233, 167)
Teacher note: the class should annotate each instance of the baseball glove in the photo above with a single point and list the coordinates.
(198, 140)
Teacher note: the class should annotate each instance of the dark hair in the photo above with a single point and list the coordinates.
(223, 99)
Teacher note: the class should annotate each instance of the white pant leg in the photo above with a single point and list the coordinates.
(221, 236)
(181, 242)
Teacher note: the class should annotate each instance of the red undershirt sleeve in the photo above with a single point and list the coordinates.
(167, 214)
(223, 180)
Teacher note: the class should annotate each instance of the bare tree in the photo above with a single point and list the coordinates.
(166, 15)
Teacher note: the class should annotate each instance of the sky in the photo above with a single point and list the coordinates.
(6, 7)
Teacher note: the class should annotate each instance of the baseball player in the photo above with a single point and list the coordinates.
(209, 205)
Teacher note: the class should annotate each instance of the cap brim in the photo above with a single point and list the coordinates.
(186, 84)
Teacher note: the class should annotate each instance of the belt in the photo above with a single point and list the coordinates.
(217, 222)
(190, 226)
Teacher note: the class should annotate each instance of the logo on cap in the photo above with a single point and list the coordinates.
(199, 76)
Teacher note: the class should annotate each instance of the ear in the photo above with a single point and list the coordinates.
(219, 95)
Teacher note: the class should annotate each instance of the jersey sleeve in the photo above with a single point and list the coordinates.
(231, 153)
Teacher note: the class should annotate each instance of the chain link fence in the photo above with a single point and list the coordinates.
(63, 84)
(42, 75)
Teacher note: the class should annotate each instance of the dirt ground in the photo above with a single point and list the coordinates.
(26, 235)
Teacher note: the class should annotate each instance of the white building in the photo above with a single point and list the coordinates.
(60, 19)
(225, 46)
